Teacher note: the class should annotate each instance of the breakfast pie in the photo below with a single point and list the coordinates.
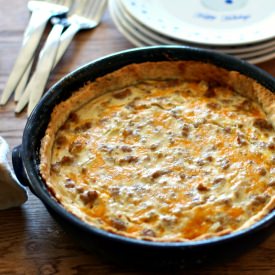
(164, 151)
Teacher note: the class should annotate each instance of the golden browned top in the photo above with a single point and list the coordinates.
(175, 157)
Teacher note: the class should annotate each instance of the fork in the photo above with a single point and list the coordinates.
(41, 10)
(86, 15)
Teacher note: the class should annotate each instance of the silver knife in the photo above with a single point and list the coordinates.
(45, 63)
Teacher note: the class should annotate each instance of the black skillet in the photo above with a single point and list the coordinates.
(120, 249)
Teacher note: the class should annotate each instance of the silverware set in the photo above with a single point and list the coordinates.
(67, 17)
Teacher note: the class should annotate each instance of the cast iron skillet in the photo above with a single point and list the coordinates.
(117, 248)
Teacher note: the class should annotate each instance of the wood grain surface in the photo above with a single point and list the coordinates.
(30, 240)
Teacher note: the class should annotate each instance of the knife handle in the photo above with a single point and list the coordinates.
(65, 40)
(37, 83)
(31, 40)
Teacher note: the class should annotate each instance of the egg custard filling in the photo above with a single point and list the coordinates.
(172, 156)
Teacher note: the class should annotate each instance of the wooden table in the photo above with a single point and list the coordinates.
(30, 240)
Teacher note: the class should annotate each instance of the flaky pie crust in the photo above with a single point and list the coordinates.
(136, 73)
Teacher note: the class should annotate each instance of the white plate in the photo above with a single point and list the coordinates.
(261, 58)
(113, 10)
(134, 36)
(150, 35)
(208, 22)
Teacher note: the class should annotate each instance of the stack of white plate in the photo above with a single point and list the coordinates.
(243, 28)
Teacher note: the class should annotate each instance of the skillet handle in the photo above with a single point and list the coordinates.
(18, 165)
(12, 193)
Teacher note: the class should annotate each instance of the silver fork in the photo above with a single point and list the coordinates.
(86, 15)
(25, 77)
(41, 10)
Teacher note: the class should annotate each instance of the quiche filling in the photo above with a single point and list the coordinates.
(164, 160)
